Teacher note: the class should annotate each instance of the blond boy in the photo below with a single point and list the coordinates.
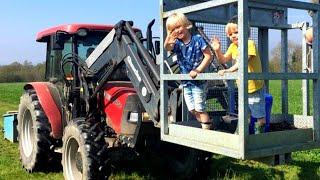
(193, 57)
(256, 90)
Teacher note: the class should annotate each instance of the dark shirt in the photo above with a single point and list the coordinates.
(190, 55)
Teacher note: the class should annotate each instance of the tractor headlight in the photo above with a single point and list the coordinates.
(133, 117)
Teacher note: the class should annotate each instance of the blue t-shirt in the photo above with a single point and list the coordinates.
(190, 55)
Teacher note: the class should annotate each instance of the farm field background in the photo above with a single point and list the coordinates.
(305, 164)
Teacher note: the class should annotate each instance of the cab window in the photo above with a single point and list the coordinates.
(85, 45)
(54, 58)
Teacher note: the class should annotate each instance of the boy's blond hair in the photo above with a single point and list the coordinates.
(231, 25)
(176, 19)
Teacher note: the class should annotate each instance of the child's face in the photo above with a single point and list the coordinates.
(232, 33)
(180, 31)
(309, 36)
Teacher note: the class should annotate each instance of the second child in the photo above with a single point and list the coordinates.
(256, 99)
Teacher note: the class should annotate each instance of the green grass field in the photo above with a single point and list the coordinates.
(305, 165)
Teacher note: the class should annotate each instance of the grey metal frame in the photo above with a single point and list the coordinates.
(305, 83)
(243, 145)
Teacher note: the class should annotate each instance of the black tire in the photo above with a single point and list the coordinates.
(34, 134)
(184, 162)
(84, 151)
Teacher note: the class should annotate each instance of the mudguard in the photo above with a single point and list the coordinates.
(116, 95)
(49, 99)
(119, 100)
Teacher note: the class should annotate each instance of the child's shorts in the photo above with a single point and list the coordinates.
(195, 97)
(257, 104)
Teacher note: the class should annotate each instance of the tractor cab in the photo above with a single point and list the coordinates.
(69, 40)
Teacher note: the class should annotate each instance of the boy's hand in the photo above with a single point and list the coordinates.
(172, 37)
(221, 72)
(215, 43)
(170, 40)
(193, 73)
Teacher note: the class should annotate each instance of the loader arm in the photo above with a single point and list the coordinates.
(123, 45)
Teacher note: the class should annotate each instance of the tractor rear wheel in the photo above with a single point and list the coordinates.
(34, 134)
(84, 151)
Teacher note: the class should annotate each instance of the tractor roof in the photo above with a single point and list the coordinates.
(71, 29)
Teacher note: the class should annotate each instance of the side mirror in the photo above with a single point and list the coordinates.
(157, 47)
(58, 40)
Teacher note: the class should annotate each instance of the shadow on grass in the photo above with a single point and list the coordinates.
(147, 166)
(229, 168)
(309, 170)
(220, 167)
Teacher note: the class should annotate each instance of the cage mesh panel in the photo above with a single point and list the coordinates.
(217, 95)
(215, 30)
(216, 103)
(219, 30)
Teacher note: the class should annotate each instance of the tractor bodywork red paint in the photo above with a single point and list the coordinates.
(50, 108)
(115, 97)
(73, 29)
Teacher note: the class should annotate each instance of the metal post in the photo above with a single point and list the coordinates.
(231, 87)
(243, 75)
(263, 39)
(163, 84)
(284, 69)
(316, 69)
(305, 83)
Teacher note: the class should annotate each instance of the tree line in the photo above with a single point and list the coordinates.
(27, 72)
(22, 72)
(294, 58)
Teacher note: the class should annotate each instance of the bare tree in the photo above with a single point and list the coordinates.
(294, 57)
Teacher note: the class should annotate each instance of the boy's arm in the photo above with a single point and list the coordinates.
(204, 64)
(222, 58)
(231, 69)
(234, 67)
(216, 45)
(206, 60)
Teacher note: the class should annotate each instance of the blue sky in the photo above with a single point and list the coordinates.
(22, 19)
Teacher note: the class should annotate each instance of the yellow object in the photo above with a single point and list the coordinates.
(254, 65)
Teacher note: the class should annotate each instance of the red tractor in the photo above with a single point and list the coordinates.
(100, 104)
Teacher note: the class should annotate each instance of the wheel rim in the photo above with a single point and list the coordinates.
(27, 133)
(73, 160)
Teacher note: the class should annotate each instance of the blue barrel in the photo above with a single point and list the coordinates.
(268, 100)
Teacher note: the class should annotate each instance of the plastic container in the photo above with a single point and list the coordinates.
(10, 126)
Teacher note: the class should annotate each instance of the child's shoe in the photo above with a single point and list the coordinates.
(206, 125)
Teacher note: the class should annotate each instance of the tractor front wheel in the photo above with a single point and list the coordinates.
(84, 151)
